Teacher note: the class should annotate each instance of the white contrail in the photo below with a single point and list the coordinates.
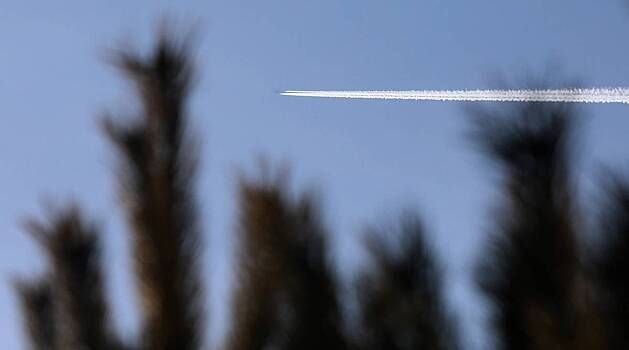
(599, 95)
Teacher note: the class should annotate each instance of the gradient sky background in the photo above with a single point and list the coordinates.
(369, 157)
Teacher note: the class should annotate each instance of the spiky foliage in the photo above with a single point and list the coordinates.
(317, 321)
(286, 297)
(158, 172)
(38, 312)
(401, 299)
(533, 275)
(612, 263)
(68, 309)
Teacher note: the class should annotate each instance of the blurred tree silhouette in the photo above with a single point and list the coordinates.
(545, 291)
(37, 307)
(66, 308)
(402, 306)
(534, 276)
(287, 298)
(158, 171)
(611, 263)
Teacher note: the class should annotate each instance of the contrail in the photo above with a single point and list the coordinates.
(598, 95)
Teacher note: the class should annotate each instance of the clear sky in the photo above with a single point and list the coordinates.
(369, 157)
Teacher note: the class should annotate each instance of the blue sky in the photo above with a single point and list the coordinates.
(369, 157)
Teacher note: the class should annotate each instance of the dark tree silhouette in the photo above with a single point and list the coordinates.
(612, 262)
(287, 297)
(37, 308)
(67, 309)
(402, 301)
(534, 276)
(158, 161)
(158, 173)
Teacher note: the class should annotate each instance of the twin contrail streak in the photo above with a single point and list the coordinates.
(600, 95)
